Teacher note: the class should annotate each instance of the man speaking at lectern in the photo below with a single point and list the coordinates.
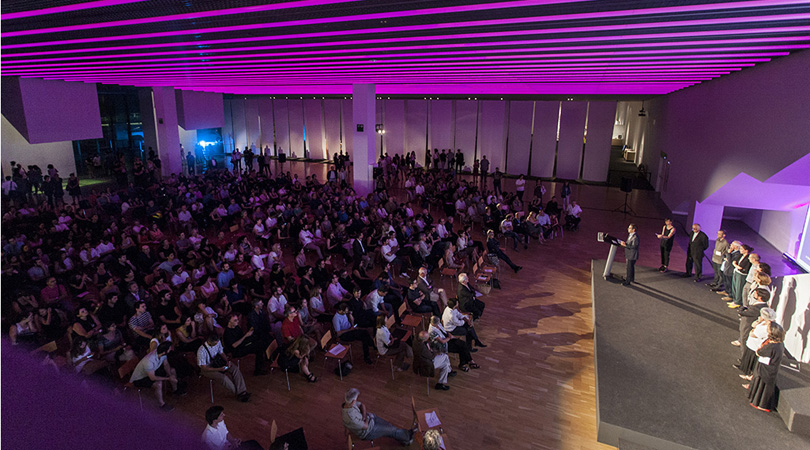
(630, 254)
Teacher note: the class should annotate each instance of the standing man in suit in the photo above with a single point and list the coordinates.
(630, 254)
(359, 253)
(698, 243)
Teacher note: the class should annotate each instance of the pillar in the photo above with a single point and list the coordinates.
(710, 218)
(160, 127)
(364, 154)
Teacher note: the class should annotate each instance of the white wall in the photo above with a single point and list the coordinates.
(780, 228)
(755, 121)
(14, 147)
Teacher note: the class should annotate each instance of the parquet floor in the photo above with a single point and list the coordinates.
(535, 388)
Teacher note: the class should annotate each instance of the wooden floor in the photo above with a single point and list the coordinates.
(535, 388)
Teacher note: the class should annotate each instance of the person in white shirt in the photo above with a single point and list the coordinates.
(459, 324)
(335, 293)
(276, 305)
(308, 240)
(180, 276)
(388, 347)
(520, 186)
(216, 435)
(229, 374)
(389, 255)
(257, 260)
(572, 217)
(376, 301)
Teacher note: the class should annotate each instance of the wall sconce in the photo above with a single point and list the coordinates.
(379, 128)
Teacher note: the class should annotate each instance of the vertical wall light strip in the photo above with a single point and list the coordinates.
(273, 113)
(453, 122)
(477, 118)
(340, 133)
(584, 140)
(531, 139)
(557, 143)
(323, 129)
(427, 126)
(507, 116)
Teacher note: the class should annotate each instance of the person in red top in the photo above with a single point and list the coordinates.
(291, 327)
(53, 292)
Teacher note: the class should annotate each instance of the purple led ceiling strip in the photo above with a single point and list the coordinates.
(420, 69)
(185, 16)
(520, 20)
(275, 7)
(67, 8)
(479, 44)
(109, 59)
(249, 59)
(247, 64)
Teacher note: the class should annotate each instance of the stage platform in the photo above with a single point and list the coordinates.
(663, 368)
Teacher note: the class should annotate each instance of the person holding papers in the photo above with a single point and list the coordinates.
(762, 390)
(346, 330)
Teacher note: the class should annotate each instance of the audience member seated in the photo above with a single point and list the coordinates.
(366, 425)
(428, 359)
(420, 303)
(347, 331)
(214, 364)
(467, 298)
(216, 435)
(444, 342)
(387, 346)
(153, 370)
(459, 324)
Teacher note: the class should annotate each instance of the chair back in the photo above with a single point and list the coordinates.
(325, 339)
(271, 348)
(127, 368)
(440, 265)
(402, 308)
(389, 322)
(475, 268)
(234, 228)
(273, 432)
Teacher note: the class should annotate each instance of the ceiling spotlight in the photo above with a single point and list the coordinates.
(501, 98)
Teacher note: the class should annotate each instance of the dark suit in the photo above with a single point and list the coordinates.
(467, 301)
(423, 360)
(748, 316)
(631, 256)
(359, 252)
(695, 253)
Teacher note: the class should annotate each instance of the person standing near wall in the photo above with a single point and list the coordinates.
(630, 254)
(667, 240)
(484, 170)
(695, 252)
(720, 247)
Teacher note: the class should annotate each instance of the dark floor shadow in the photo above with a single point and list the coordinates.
(705, 313)
(560, 309)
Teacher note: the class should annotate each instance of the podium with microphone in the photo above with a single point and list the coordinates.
(615, 243)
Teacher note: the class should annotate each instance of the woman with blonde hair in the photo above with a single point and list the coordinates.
(757, 336)
(298, 354)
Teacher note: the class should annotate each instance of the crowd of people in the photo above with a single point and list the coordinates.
(185, 273)
(744, 282)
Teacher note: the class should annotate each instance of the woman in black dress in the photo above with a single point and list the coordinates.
(667, 240)
(762, 392)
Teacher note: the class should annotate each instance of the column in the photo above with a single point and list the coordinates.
(709, 217)
(364, 155)
(161, 132)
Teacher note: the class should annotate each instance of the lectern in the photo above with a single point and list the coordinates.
(614, 245)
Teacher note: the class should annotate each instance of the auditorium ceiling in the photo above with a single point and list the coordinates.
(405, 47)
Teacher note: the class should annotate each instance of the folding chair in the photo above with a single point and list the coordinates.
(274, 361)
(339, 356)
(419, 417)
(408, 318)
(125, 370)
(390, 323)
